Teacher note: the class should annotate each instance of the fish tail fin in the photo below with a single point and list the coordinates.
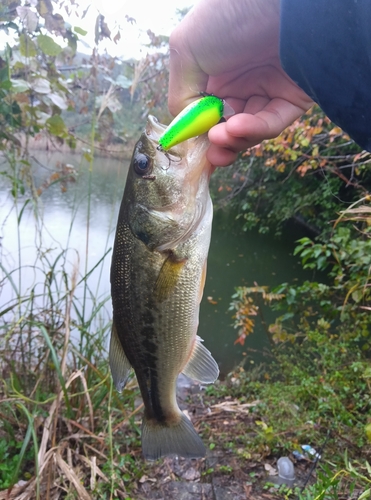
(160, 440)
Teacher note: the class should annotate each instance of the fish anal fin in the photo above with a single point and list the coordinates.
(181, 438)
(119, 363)
(201, 365)
(168, 276)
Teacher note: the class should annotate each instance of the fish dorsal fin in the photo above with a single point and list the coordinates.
(119, 363)
(201, 365)
(168, 277)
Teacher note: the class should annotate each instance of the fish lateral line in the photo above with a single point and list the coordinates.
(195, 119)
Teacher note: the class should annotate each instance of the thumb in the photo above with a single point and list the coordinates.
(187, 79)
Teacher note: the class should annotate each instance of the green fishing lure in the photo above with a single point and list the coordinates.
(195, 119)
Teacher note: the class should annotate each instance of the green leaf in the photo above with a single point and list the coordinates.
(57, 368)
(80, 31)
(19, 85)
(48, 45)
(6, 26)
(27, 47)
(4, 73)
(21, 212)
(6, 85)
(58, 101)
(88, 156)
(357, 295)
(56, 126)
(26, 440)
(365, 494)
(41, 85)
(44, 8)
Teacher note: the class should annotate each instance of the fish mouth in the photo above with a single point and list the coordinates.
(154, 128)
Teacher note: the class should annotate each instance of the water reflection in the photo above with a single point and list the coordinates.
(243, 259)
(74, 225)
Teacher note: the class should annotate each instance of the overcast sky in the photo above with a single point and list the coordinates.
(157, 15)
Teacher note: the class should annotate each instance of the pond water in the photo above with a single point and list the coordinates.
(236, 258)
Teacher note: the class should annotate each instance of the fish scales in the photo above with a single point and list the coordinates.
(157, 278)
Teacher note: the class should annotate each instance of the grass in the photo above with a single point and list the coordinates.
(317, 393)
(60, 419)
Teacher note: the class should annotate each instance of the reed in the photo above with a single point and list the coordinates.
(60, 419)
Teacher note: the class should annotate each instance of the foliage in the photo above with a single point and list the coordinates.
(10, 456)
(306, 174)
(321, 169)
(48, 89)
(318, 393)
(317, 388)
(244, 306)
(342, 302)
(33, 93)
(319, 380)
(59, 414)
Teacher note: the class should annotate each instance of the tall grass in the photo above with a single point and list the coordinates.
(59, 416)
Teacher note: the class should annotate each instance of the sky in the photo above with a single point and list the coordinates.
(157, 15)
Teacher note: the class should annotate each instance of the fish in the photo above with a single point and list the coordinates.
(158, 273)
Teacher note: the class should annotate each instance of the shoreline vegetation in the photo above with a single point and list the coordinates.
(45, 142)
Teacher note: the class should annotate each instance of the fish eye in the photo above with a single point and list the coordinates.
(141, 164)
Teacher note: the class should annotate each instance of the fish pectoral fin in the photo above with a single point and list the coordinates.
(161, 440)
(119, 363)
(168, 276)
(201, 365)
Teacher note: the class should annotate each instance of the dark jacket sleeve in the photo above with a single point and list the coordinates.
(325, 47)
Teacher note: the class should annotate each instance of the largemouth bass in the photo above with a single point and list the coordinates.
(157, 278)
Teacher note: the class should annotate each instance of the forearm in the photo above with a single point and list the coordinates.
(325, 47)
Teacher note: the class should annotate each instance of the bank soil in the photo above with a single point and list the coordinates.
(230, 470)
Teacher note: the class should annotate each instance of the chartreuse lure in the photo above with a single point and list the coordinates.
(195, 119)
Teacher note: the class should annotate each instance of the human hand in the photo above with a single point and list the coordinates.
(231, 49)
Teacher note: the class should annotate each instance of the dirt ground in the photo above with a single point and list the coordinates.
(222, 474)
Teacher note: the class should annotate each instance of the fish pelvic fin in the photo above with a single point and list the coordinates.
(119, 363)
(201, 365)
(160, 440)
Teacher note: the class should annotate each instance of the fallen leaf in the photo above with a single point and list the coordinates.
(271, 470)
